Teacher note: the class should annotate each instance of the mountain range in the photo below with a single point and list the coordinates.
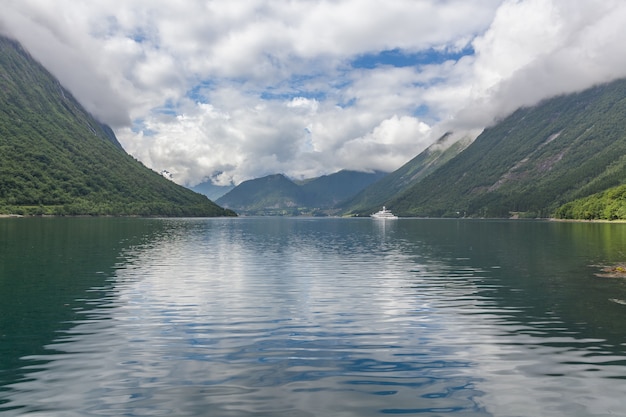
(532, 162)
(56, 158)
(379, 193)
(278, 195)
(564, 157)
(211, 190)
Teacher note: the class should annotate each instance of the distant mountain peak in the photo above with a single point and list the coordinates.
(276, 194)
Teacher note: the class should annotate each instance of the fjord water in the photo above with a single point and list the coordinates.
(310, 317)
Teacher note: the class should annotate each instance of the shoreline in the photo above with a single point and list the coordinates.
(550, 219)
(586, 220)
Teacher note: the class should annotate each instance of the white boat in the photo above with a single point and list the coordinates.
(384, 214)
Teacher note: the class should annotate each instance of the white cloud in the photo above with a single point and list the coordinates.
(387, 146)
(536, 49)
(245, 88)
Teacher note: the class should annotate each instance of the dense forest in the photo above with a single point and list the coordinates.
(373, 197)
(607, 205)
(56, 159)
(532, 162)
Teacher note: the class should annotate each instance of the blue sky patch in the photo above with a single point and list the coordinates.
(168, 108)
(398, 58)
(421, 111)
(139, 125)
(198, 92)
(283, 95)
(348, 103)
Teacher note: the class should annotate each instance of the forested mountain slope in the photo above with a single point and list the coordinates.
(329, 190)
(55, 158)
(532, 162)
(279, 195)
(264, 195)
(606, 205)
(379, 193)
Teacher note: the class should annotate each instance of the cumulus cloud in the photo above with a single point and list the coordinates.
(233, 90)
(537, 49)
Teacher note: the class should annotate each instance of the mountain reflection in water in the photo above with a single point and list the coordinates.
(312, 317)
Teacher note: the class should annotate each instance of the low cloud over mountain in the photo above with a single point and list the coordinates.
(240, 89)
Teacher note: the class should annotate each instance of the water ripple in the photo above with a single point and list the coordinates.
(248, 319)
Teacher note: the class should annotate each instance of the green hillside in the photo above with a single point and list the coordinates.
(55, 158)
(532, 162)
(279, 195)
(379, 193)
(273, 194)
(329, 190)
(606, 205)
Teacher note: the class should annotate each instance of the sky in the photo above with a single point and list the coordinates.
(229, 90)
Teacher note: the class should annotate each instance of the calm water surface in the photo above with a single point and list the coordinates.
(310, 317)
